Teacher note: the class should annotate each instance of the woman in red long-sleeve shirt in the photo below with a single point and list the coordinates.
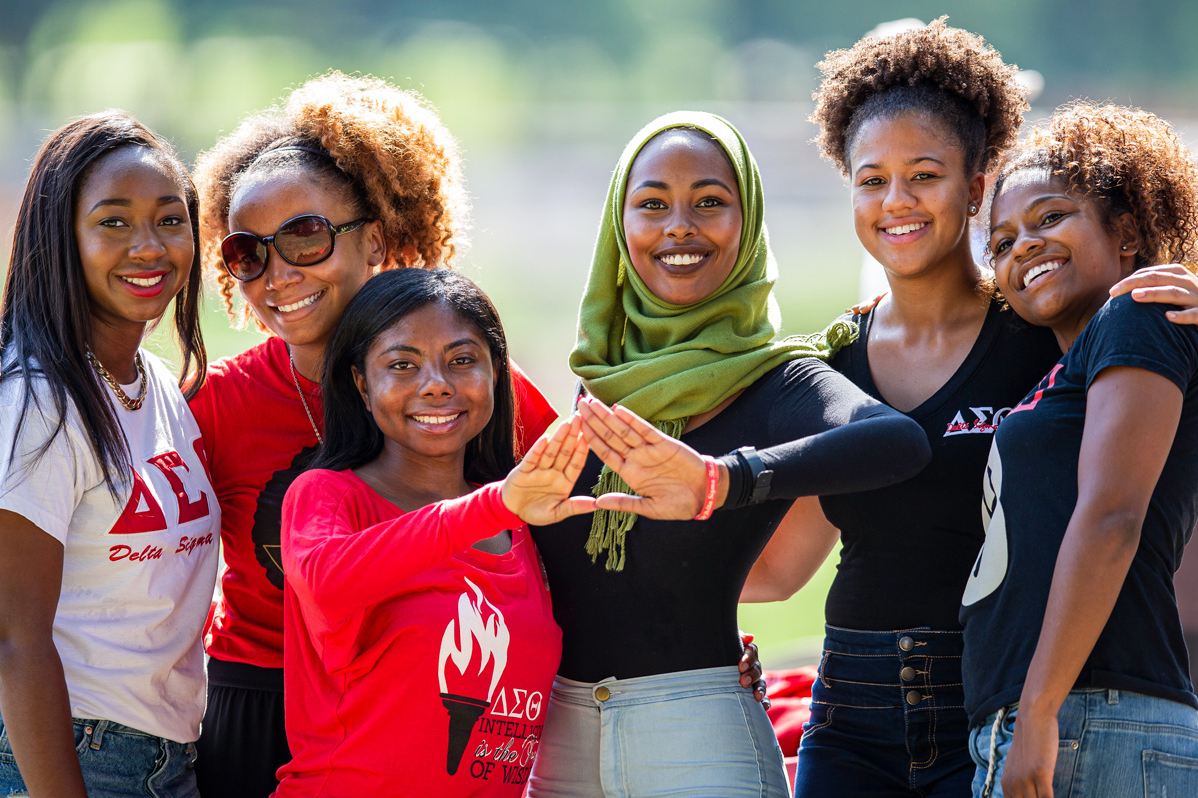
(419, 640)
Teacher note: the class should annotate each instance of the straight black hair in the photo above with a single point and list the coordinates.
(45, 316)
(351, 437)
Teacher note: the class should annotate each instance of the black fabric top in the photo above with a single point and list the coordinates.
(673, 607)
(907, 549)
(1031, 491)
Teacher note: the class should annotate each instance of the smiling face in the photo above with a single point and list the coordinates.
(682, 216)
(429, 383)
(134, 236)
(911, 195)
(302, 304)
(1056, 255)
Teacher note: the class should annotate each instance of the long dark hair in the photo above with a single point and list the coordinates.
(45, 317)
(351, 437)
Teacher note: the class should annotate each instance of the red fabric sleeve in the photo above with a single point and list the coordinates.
(534, 414)
(339, 567)
(201, 406)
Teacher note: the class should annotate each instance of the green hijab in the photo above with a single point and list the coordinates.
(670, 362)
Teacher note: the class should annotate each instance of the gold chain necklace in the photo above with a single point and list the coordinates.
(122, 397)
(303, 401)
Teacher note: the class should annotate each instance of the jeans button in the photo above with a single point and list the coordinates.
(602, 693)
(907, 674)
(906, 643)
(913, 697)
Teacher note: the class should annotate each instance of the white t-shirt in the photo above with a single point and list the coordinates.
(138, 567)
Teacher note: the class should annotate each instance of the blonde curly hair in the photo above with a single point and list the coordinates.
(1130, 161)
(386, 146)
(947, 73)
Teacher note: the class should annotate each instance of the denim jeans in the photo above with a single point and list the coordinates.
(117, 762)
(887, 717)
(1113, 743)
(691, 733)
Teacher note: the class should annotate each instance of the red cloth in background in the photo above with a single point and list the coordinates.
(790, 699)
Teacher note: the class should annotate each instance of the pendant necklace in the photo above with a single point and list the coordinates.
(303, 401)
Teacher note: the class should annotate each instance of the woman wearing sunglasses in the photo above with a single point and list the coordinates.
(107, 519)
(302, 204)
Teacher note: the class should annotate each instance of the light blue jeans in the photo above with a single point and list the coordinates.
(1113, 744)
(117, 762)
(690, 733)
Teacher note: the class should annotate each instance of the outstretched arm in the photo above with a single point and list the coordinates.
(339, 567)
(1134, 412)
(670, 478)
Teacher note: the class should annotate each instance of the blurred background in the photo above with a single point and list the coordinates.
(543, 94)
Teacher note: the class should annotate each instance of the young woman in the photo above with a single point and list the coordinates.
(108, 522)
(915, 140)
(1075, 671)
(301, 205)
(420, 641)
(678, 324)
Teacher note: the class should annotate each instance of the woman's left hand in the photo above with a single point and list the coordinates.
(669, 477)
(1172, 284)
(1028, 770)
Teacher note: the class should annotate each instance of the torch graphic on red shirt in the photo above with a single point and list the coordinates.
(465, 635)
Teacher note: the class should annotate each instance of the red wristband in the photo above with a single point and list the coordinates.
(713, 485)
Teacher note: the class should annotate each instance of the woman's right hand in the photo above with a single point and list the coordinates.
(538, 489)
(1171, 284)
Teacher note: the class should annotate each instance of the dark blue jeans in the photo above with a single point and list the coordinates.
(887, 717)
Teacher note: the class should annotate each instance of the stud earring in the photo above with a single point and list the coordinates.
(973, 209)
(1124, 247)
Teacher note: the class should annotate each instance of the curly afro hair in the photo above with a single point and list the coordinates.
(947, 73)
(385, 146)
(1130, 161)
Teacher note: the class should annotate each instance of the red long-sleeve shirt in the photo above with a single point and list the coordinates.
(251, 468)
(413, 663)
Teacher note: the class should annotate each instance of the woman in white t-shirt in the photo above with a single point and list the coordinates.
(108, 523)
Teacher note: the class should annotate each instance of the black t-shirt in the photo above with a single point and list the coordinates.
(1031, 491)
(673, 607)
(907, 549)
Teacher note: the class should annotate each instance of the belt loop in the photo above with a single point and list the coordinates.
(98, 734)
(1112, 697)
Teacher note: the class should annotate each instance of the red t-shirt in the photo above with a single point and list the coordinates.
(414, 664)
(258, 439)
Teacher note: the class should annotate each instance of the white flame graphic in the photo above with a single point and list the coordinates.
(491, 636)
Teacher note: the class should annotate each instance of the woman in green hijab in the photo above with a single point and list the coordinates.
(679, 326)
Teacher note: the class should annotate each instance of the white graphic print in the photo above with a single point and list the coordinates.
(985, 421)
(468, 632)
(991, 566)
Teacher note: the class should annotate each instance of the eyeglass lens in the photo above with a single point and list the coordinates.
(303, 241)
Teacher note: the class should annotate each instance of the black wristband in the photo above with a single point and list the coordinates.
(762, 477)
(740, 481)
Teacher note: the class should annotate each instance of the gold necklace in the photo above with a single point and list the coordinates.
(303, 401)
(122, 397)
